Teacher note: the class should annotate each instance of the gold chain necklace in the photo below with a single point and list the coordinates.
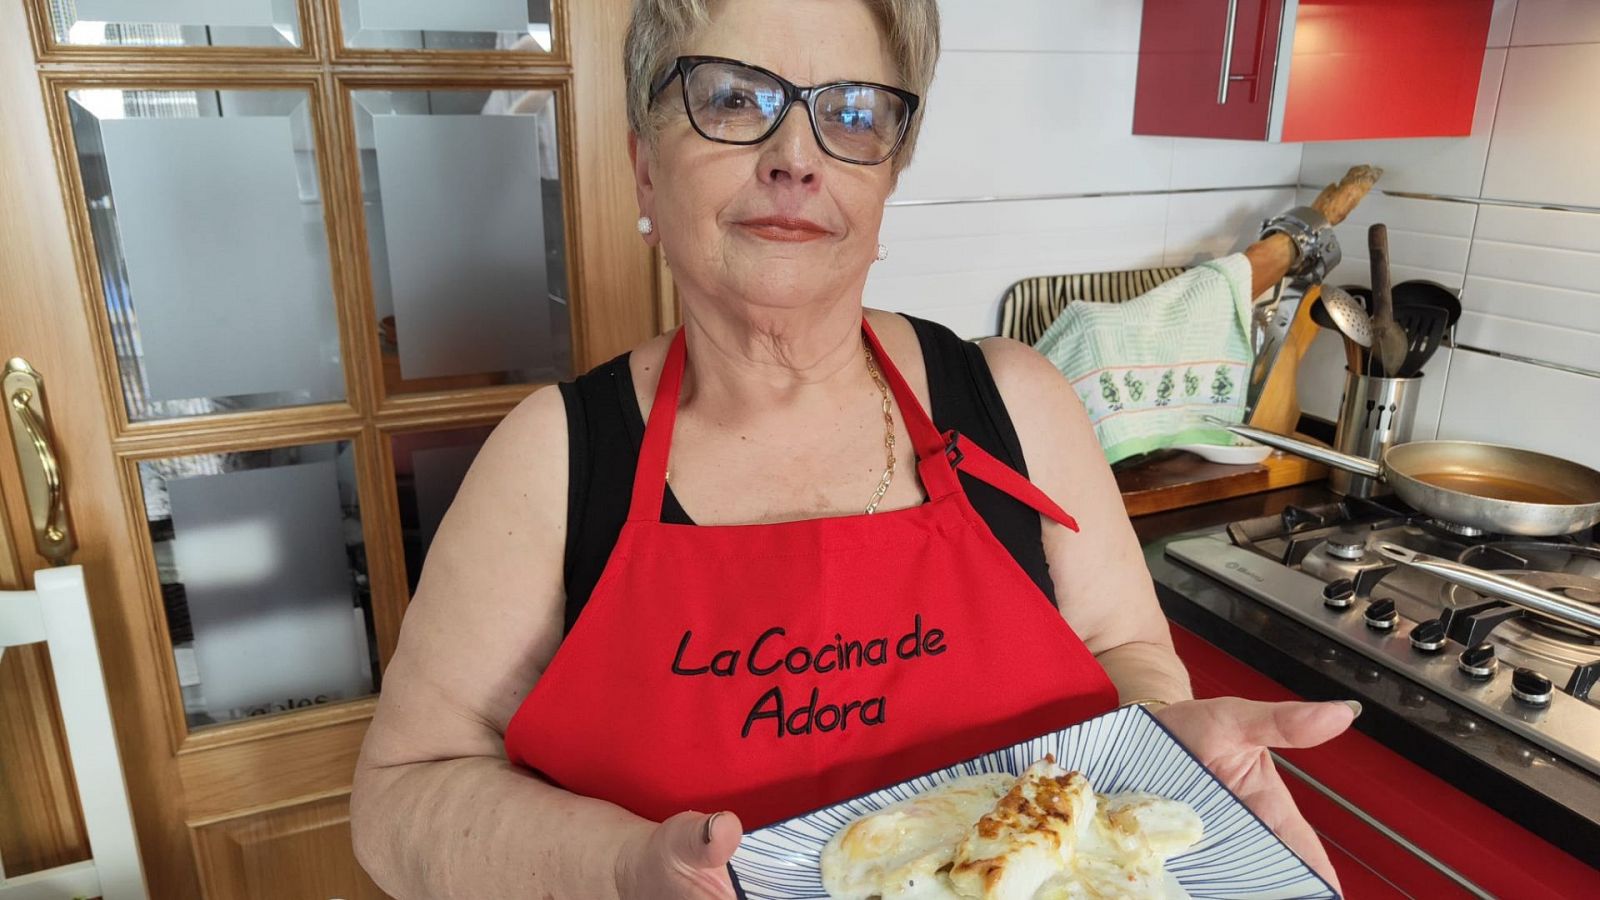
(888, 435)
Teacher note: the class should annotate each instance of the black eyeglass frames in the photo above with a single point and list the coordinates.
(732, 102)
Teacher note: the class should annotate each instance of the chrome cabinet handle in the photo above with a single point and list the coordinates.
(39, 463)
(1227, 53)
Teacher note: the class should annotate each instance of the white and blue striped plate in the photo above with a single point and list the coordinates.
(1126, 750)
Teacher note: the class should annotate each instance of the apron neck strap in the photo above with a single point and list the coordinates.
(934, 463)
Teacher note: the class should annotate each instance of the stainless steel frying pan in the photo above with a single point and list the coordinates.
(1569, 494)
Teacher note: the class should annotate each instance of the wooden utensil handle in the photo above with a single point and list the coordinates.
(1382, 290)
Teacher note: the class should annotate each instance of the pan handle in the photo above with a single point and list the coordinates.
(1497, 586)
(1357, 464)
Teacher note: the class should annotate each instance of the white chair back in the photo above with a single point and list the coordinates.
(56, 613)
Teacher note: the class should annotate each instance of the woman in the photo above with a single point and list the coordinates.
(848, 611)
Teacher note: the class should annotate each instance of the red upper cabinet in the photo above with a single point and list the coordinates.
(1310, 70)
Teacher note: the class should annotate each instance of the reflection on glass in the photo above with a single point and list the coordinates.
(461, 191)
(176, 23)
(521, 26)
(207, 222)
(428, 469)
(264, 574)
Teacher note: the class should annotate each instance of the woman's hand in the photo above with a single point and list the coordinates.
(1231, 737)
(684, 858)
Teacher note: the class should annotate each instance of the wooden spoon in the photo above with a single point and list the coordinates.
(1388, 338)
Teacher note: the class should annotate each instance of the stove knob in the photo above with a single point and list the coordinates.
(1478, 663)
(1530, 688)
(1340, 594)
(1381, 615)
(1428, 637)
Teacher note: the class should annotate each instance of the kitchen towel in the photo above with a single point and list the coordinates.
(1150, 369)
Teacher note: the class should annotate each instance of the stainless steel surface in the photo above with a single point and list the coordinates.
(1348, 315)
(1569, 727)
(1227, 52)
(1313, 452)
(1403, 463)
(1374, 415)
(1500, 587)
(1274, 320)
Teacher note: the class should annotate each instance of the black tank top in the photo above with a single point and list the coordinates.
(605, 429)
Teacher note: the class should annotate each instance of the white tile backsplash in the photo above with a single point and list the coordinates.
(1026, 124)
(953, 262)
(1556, 22)
(1206, 225)
(1533, 286)
(1428, 239)
(1503, 401)
(1547, 127)
(1202, 163)
(1031, 26)
(1449, 166)
(1500, 24)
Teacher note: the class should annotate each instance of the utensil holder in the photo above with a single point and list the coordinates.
(1375, 414)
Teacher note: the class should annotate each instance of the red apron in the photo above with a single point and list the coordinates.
(773, 669)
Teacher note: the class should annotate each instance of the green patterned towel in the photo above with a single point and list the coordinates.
(1147, 370)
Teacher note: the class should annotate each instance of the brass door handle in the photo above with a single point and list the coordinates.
(40, 464)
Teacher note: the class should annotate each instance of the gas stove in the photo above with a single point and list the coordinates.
(1528, 673)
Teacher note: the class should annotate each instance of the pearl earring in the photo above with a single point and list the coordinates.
(883, 253)
(646, 225)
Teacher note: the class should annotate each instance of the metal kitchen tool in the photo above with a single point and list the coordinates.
(1273, 319)
(1489, 584)
(1374, 415)
(1352, 322)
(1484, 486)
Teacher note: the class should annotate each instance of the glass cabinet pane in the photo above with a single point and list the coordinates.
(264, 576)
(176, 23)
(515, 25)
(207, 223)
(461, 193)
(429, 467)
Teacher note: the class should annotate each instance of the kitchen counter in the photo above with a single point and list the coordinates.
(1550, 798)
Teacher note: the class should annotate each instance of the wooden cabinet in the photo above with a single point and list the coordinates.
(1310, 70)
(194, 169)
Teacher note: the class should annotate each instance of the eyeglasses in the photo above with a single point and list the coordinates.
(731, 102)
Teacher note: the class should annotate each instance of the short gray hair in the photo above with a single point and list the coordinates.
(660, 29)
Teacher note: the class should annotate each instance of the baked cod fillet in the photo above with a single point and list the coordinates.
(898, 852)
(1029, 837)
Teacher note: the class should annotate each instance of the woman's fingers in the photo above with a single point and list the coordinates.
(1291, 724)
(699, 841)
(1268, 797)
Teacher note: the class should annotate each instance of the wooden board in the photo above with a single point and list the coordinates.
(1183, 479)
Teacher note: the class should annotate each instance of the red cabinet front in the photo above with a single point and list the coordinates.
(1182, 81)
(1356, 69)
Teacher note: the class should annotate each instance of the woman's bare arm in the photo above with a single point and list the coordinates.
(436, 810)
(1102, 586)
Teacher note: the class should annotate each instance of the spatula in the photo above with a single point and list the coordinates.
(1424, 327)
